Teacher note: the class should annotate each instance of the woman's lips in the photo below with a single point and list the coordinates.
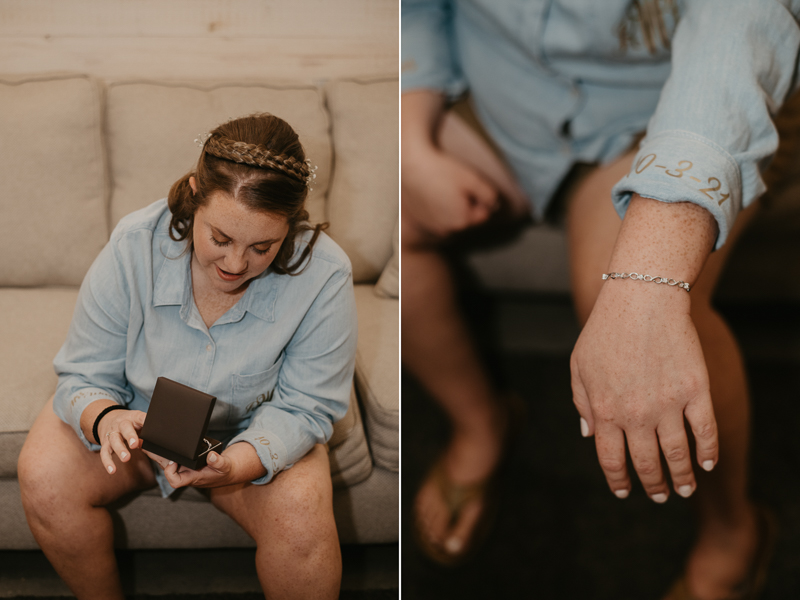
(228, 276)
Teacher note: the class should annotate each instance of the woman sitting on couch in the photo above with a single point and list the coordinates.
(223, 287)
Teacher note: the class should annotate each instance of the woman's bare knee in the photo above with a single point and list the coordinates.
(57, 472)
(294, 511)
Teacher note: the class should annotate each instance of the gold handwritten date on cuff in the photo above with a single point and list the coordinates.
(714, 184)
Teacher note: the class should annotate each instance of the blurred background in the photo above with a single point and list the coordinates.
(100, 104)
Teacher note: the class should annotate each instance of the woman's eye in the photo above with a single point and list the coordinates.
(262, 252)
(218, 243)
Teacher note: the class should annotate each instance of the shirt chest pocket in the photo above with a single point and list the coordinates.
(248, 392)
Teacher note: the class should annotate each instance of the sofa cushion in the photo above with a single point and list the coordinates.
(366, 513)
(362, 205)
(33, 329)
(536, 261)
(53, 186)
(36, 324)
(378, 373)
(388, 285)
(152, 128)
(349, 451)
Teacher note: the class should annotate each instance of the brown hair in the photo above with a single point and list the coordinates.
(649, 17)
(257, 160)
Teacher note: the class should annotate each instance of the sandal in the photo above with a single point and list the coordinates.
(751, 587)
(457, 496)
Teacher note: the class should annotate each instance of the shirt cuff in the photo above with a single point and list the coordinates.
(70, 411)
(270, 449)
(680, 166)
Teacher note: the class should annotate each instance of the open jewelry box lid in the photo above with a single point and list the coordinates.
(177, 421)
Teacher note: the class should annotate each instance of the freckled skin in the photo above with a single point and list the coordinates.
(670, 239)
(642, 335)
(213, 294)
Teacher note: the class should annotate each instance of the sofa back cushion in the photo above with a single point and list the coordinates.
(53, 185)
(363, 201)
(152, 127)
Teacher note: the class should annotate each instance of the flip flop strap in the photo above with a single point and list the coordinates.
(456, 495)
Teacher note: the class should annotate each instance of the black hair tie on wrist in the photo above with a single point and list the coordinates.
(105, 411)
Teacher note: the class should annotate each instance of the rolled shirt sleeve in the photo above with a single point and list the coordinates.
(91, 363)
(428, 57)
(734, 63)
(314, 382)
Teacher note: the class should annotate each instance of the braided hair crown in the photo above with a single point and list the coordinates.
(255, 155)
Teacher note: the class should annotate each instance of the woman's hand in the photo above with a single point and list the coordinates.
(215, 474)
(119, 434)
(239, 463)
(442, 195)
(637, 371)
(638, 368)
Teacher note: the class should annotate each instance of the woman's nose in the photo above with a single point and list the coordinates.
(236, 262)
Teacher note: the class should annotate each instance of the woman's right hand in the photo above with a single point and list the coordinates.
(119, 434)
(443, 195)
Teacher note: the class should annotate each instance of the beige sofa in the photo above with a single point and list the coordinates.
(78, 153)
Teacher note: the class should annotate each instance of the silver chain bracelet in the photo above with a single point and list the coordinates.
(648, 278)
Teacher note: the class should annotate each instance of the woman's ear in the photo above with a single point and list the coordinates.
(193, 184)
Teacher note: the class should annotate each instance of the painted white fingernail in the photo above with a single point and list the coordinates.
(110, 469)
(685, 491)
(171, 462)
(584, 427)
(133, 442)
(124, 455)
(212, 457)
(453, 545)
(660, 498)
(621, 493)
(708, 465)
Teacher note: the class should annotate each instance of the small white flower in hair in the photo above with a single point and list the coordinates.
(202, 138)
(312, 174)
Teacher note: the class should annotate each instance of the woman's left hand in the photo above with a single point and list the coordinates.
(239, 463)
(638, 374)
(215, 474)
(638, 370)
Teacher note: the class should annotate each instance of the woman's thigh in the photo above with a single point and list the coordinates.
(55, 466)
(593, 226)
(296, 507)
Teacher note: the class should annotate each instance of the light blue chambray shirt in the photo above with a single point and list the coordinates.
(280, 361)
(552, 86)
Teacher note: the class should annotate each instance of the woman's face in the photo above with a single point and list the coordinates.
(233, 243)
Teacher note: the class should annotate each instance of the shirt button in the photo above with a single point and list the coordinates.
(208, 348)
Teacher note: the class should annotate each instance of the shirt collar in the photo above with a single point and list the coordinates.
(259, 299)
(173, 286)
